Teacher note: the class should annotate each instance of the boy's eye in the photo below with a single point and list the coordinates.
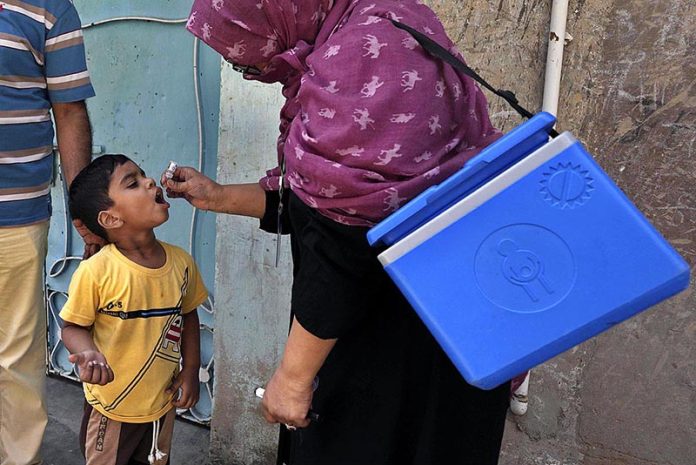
(132, 185)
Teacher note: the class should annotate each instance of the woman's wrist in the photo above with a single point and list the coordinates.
(237, 199)
(304, 355)
(297, 376)
(216, 197)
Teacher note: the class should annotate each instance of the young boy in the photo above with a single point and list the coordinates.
(130, 318)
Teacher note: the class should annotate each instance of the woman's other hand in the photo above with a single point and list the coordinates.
(288, 395)
(287, 400)
(198, 189)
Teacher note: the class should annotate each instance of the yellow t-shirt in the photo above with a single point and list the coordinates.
(136, 318)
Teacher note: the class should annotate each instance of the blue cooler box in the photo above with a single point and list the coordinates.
(525, 252)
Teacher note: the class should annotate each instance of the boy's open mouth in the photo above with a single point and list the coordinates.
(159, 197)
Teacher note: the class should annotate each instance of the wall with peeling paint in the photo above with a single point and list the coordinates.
(628, 91)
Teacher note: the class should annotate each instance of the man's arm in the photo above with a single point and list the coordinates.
(74, 135)
(75, 145)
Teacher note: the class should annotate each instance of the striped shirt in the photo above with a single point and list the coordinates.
(42, 62)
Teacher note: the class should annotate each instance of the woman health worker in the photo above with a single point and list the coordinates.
(370, 120)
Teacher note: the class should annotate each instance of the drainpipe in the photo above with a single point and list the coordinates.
(552, 83)
(554, 55)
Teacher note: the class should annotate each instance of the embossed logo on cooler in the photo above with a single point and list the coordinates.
(525, 268)
(565, 185)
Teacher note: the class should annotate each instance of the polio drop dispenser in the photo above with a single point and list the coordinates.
(525, 252)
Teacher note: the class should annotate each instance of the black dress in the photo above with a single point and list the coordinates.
(387, 393)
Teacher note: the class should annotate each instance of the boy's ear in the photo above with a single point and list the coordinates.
(108, 220)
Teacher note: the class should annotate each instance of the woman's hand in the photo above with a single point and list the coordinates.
(204, 193)
(287, 400)
(198, 189)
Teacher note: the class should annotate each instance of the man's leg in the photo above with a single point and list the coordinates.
(23, 415)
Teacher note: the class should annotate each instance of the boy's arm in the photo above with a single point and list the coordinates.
(92, 364)
(191, 343)
(191, 363)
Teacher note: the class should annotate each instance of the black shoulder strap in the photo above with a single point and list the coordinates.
(436, 50)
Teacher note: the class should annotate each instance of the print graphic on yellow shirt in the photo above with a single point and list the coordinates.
(136, 318)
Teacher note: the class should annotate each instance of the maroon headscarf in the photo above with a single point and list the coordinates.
(370, 119)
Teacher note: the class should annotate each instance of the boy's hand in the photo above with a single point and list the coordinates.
(187, 381)
(92, 367)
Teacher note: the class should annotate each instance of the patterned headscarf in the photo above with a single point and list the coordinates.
(370, 119)
(254, 32)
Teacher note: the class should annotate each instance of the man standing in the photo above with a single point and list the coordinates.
(42, 68)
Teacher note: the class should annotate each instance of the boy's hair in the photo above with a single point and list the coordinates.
(89, 191)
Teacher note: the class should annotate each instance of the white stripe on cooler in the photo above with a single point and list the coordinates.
(25, 196)
(64, 37)
(67, 78)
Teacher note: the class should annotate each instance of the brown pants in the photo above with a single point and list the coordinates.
(104, 441)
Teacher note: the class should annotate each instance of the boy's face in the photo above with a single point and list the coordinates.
(137, 201)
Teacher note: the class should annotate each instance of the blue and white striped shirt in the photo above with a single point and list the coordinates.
(42, 62)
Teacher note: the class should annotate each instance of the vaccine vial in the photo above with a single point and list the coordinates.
(169, 174)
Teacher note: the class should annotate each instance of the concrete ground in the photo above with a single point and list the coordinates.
(60, 446)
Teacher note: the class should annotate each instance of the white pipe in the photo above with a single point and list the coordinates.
(519, 400)
(199, 120)
(554, 55)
